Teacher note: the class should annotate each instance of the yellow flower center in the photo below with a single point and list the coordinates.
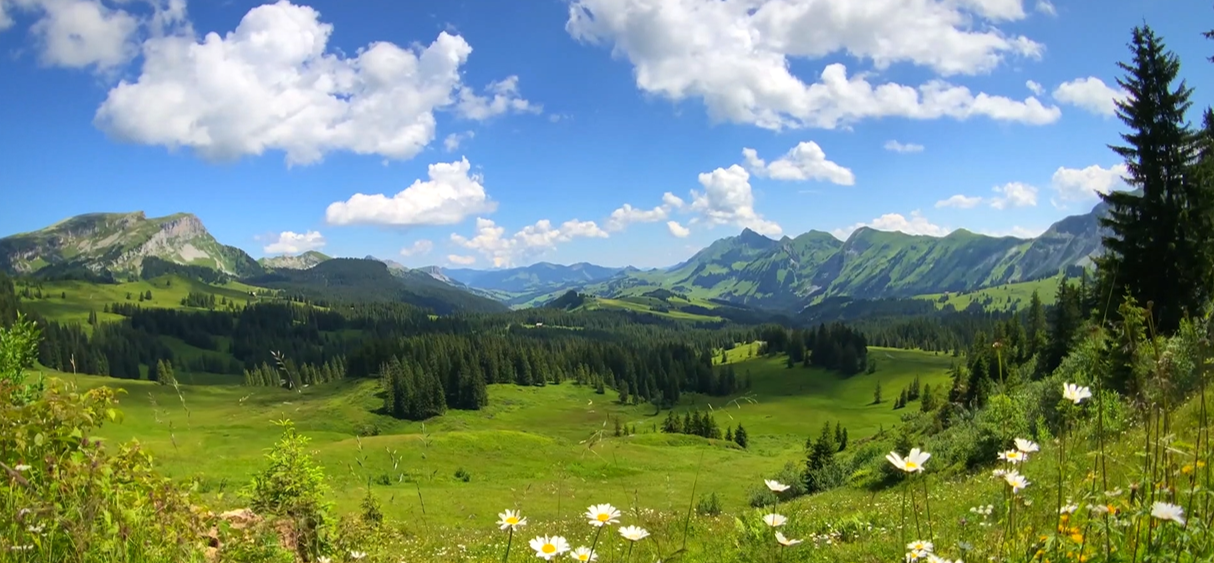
(911, 465)
(603, 517)
(583, 557)
(548, 548)
(512, 520)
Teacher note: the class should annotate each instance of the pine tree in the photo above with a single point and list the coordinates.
(740, 438)
(1036, 326)
(728, 434)
(1162, 240)
(877, 393)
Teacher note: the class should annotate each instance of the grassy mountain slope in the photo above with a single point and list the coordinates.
(536, 277)
(354, 279)
(118, 242)
(300, 262)
(790, 273)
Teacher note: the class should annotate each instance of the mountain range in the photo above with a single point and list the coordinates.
(747, 269)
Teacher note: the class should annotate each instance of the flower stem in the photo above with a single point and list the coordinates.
(630, 546)
(596, 540)
(927, 505)
(509, 540)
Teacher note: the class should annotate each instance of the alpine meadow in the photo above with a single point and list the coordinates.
(991, 342)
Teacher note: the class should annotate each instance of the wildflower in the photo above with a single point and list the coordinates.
(634, 533)
(511, 519)
(920, 545)
(1168, 511)
(21, 467)
(583, 554)
(35, 529)
(323, 559)
(1026, 446)
(356, 555)
(548, 547)
(775, 486)
(912, 463)
(1075, 393)
(1013, 456)
(1016, 481)
(602, 515)
(785, 541)
(775, 520)
(998, 473)
(1068, 509)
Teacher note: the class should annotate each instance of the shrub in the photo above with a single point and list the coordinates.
(709, 505)
(293, 487)
(463, 475)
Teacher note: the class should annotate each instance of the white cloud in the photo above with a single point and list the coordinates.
(1090, 94)
(1034, 87)
(1082, 184)
(272, 84)
(735, 56)
(806, 161)
(677, 230)
(418, 248)
(452, 141)
(727, 199)
(1014, 194)
(895, 146)
(448, 197)
(916, 224)
(504, 98)
(461, 260)
(960, 202)
(627, 214)
(78, 33)
(1046, 7)
(527, 242)
(293, 243)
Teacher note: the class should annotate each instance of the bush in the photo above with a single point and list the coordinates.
(761, 496)
(293, 487)
(463, 475)
(709, 505)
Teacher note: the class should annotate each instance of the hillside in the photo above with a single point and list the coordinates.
(300, 262)
(118, 243)
(788, 274)
(355, 279)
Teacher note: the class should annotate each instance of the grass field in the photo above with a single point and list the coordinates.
(667, 308)
(545, 443)
(1004, 297)
(71, 301)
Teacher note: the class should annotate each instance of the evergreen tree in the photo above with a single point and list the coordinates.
(1037, 327)
(1162, 240)
(821, 455)
(927, 402)
(740, 438)
(729, 434)
(877, 393)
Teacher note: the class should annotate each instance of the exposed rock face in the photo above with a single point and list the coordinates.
(119, 243)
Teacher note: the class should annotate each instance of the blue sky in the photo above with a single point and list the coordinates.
(485, 133)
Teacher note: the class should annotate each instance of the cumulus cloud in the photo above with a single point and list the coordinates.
(734, 55)
(274, 84)
(461, 260)
(677, 230)
(727, 199)
(1046, 7)
(627, 214)
(1034, 87)
(78, 33)
(502, 251)
(1014, 194)
(452, 141)
(1082, 184)
(449, 196)
(959, 202)
(1016, 231)
(916, 224)
(418, 248)
(895, 146)
(1090, 94)
(289, 242)
(503, 98)
(806, 161)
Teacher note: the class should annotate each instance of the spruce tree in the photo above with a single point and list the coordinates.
(740, 438)
(1161, 246)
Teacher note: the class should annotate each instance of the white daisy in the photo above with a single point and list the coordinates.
(785, 541)
(583, 554)
(1013, 456)
(1075, 393)
(356, 555)
(920, 545)
(21, 467)
(1168, 511)
(1026, 446)
(548, 547)
(602, 515)
(775, 486)
(775, 520)
(511, 519)
(633, 533)
(1016, 481)
(912, 463)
